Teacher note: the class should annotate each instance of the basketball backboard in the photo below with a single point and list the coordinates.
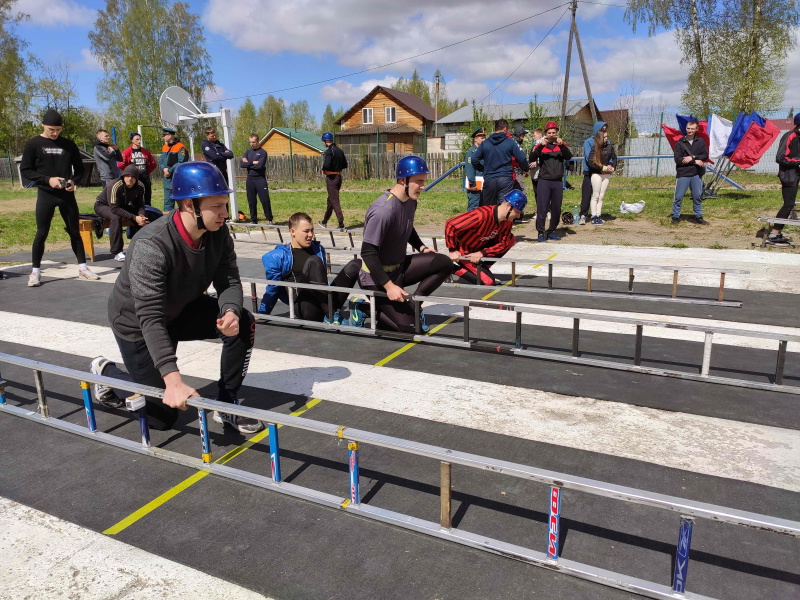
(177, 107)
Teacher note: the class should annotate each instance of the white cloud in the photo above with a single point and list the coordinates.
(214, 94)
(467, 90)
(88, 62)
(348, 94)
(56, 13)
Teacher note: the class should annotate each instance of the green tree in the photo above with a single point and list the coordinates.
(300, 116)
(416, 85)
(245, 123)
(145, 46)
(479, 119)
(271, 113)
(329, 120)
(14, 80)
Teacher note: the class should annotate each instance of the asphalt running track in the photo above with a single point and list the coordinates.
(287, 548)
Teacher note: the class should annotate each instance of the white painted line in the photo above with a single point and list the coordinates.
(47, 557)
(743, 451)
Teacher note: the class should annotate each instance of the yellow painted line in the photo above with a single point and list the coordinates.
(190, 481)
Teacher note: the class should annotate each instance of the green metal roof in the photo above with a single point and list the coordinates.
(301, 135)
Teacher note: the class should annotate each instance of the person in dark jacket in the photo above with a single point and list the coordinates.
(473, 170)
(173, 153)
(788, 159)
(53, 164)
(216, 152)
(136, 154)
(586, 185)
(255, 161)
(602, 161)
(550, 156)
(333, 163)
(160, 299)
(106, 156)
(691, 155)
(122, 199)
(496, 153)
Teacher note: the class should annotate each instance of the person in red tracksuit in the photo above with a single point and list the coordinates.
(483, 232)
(788, 160)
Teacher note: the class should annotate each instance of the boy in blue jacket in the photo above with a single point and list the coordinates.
(303, 260)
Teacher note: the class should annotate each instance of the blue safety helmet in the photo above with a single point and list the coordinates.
(198, 180)
(516, 199)
(327, 136)
(411, 165)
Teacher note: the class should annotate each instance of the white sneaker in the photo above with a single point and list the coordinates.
(103, 394)
(35, 280)
(87, 275)
(582, 220)
(244, 425)
(120, 257)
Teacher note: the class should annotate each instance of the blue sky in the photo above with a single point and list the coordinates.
(266, 45)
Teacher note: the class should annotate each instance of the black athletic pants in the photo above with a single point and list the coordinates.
(148, 188)
(197, 321)
(586, 194)
(333, 184)
(789, 193)
(549, 195)
(257, 186)
(495, 189)
(114, 227)
(312, 305)
(429, 269)
(46, 203)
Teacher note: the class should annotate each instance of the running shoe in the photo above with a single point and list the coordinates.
(104, 394)
(342, 228)
(337, 319)
(676, 220)
(553, 236)
(35, 280)
(87, 275)
(582, 220)
(422, 324)
(244, 425)
(542, 238)
(700, 221)
(120, 257)
(778, 238)
(357, 316)
(322, 224)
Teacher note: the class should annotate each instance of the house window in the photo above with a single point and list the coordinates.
(366, 116)
(391, 114)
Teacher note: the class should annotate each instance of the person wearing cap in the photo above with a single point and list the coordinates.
(136, 154)
(106, 156)
(551, 156)
(216, 152)
(473, 170)
(53, 164)
(121, 199)
(788, 159)
(586, 185)
(388, 229)
(333, 163)
(254, 161)
(497, 153)
(173, 153)
(159, 300)
(483, 233)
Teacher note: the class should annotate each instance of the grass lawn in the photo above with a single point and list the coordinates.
(732, 215)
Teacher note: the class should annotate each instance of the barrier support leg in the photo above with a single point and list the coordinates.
(518, 332)
(721, 287)
(675, 283)
(478, 273)
(353, 244)
(589, 278)
(576, 333)
(274, 453)
(637, 353)
(42, 399)
(205, 442)
(2, 390)
(778, 367)
(682, 555)
(630, 280)
(280, 235)
(136, 404)
(330, 307)
(290, 291)
(553, 524)
(445, 489)
(253, 297)
(328, 261)
(263, 234)
(355, 493)
(707, 353)
(87, 405)
(466, 323)
(513, 274)
(435, 245)
(333, 241)
(373, 314)
(550, 276)
(417, 325)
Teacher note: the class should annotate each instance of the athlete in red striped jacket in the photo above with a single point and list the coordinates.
(483, 232)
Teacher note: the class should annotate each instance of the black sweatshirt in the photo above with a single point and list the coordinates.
(43, 158)
(696, 150)
(333, 159)
(122, 200)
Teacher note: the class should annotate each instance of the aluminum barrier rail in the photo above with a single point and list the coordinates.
(689, 510)
(280, 228)
(516, 348)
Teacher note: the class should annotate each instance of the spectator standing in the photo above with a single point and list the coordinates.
(586, 185)
(551, 156)
(473, 170)
(690, 154)
(333, 163)
(788, 159)
(496, 153)
(602, 161)
(255, 162)
(216, 152)
(106, 157)
(173, 153)
(136, 154)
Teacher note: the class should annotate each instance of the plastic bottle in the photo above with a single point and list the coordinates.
(575, 214)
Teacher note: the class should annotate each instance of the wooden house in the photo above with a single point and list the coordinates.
(283, 141)
(395, 121)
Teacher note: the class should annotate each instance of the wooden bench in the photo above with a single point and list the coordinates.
(86, 229)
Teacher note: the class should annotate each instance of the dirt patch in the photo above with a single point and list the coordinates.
(17, 205)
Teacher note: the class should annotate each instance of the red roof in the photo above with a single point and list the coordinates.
(783, 124)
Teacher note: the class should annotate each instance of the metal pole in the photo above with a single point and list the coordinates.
(291, 159)
(425, 141)
(139, 131)
(682, 555)
(721, 296)
(553, 524)
(274, 453)
(675, 283)
(373, 316)
(573, 8)
(355, 494)
(466, 324)
(137, 404)
(630, 280)
(781, 362)
(589, 279)
(445, 488)
(583, 65)
(377, 152)
(253, 297)
(576, 333)
(227, 132)
(658, 149)
(204, 440)
(550, 276)
(42, 399)
(290, 291)
(707, 353)
(637, 353)
(518, 332)
(87, 405)
(191, 147)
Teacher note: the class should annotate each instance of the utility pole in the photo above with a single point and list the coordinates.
(573, 32)
(436, 79)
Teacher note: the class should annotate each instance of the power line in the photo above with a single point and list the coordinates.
(602, 3)
(527, 57)
(469, 39)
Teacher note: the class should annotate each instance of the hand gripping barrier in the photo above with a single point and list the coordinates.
(518, 348)
(559, 484)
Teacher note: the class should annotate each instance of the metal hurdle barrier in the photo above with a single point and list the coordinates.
(280, 228)
(516, 348)
(558, 483)
(776, 221)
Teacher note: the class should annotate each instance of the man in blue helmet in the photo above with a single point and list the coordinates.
(333, 163)
(483, 233)
(159, 300)
(388, 229)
